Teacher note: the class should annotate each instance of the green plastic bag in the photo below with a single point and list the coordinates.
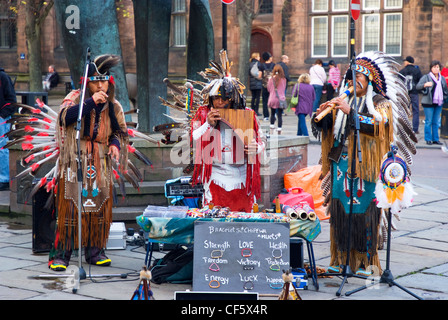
(295, 97)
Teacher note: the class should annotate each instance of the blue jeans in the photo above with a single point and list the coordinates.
(4, 153)
(415, 111)
(318, 91)
(301, 127)
(432, 116)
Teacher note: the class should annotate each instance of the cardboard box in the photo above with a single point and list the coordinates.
(117, 236)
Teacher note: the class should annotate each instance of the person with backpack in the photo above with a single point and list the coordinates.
(7, 98)
(255, 85)
(412, 76)
(267, 67)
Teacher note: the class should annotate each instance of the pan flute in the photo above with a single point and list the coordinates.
(241, 121)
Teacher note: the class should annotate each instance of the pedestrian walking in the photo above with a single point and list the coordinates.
(434, 89)
(305, 93)
(277, 99)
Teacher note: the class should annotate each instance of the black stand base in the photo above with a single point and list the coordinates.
(388, 278)
(346, 273)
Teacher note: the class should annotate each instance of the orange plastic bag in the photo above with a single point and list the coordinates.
(308, 179)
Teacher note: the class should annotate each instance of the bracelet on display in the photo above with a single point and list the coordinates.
(214, 284)
(274, 251)
(274, 267)
(246, 252)
(276, 286)
(215, 254)
(248, 285)
(214, 267)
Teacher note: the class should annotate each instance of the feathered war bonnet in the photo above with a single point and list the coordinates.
(384, 79)
(222, 84)
(99, 69)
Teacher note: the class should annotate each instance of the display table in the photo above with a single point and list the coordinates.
(181, 231)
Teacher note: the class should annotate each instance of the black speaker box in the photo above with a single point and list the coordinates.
(296, 253)
(44, 222)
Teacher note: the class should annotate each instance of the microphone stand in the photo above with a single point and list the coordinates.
(81, 272)
(387, 276)
(346, 270)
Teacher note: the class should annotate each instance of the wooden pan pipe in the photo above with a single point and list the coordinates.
(241, 121)
(327, 110)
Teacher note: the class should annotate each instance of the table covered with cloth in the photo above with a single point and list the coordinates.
(181, 230)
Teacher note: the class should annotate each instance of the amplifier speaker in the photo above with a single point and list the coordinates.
(296, 253)
(44, 222)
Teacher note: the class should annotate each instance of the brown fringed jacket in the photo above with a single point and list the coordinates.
(101, 126)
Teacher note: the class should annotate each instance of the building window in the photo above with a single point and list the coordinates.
(320, 36)
(320, 5)
(382, 27)
(392, 34)
(340, 36)
(393, 4)
(371, 32)
(8, 28)
(179, 27)
(266, 7)
(371, 4)
(340, 5)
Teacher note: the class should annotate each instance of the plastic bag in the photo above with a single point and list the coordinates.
(308, 179)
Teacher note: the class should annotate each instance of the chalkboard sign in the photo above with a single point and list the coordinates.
(240, 256)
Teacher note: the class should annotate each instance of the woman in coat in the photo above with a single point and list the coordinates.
(276, 88)
(434, 89)
(305, 102)
(255, 82)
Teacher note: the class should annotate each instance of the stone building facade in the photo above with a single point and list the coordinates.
(302, 29)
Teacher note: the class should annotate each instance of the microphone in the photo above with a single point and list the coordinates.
(88, 55)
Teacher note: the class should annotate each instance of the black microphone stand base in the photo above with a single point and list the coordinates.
(387, 276)
(346, 273)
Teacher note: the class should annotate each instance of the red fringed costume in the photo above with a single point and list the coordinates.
(230, 177)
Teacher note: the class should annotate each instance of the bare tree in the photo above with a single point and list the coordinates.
(247, 11)
(35, 12)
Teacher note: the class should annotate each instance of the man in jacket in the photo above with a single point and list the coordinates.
(7, 97)
(413, 74)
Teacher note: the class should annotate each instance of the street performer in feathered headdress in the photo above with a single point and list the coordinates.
(382, 105)
(228, 169)
(103, 141)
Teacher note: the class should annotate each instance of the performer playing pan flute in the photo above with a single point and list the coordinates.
(382, 102)
(228, 168)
